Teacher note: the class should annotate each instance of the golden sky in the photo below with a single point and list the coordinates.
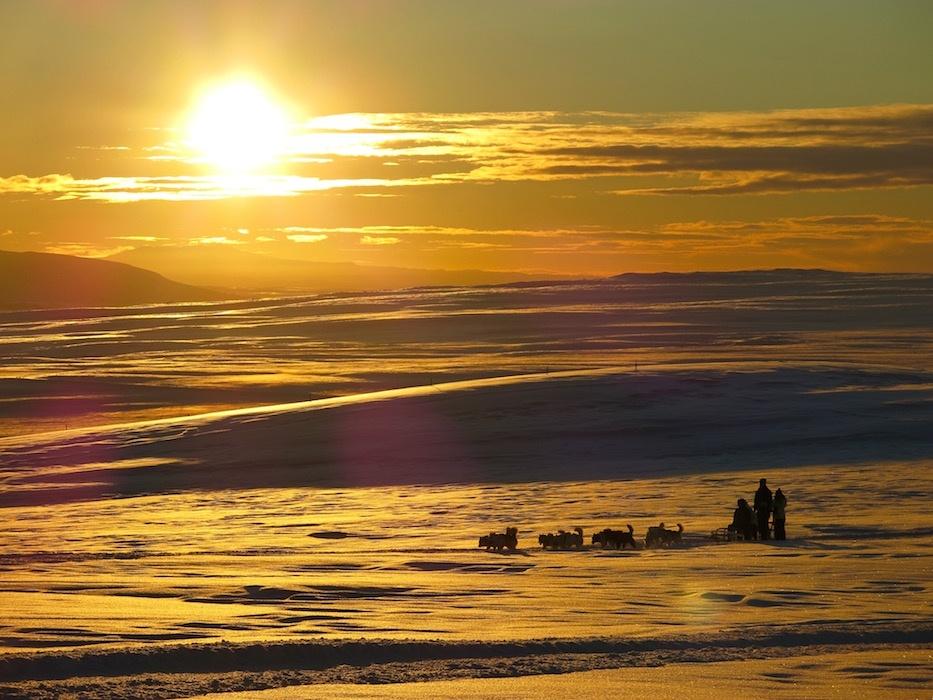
(570, 136)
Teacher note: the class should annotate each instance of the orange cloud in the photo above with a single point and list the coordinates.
(306, 237)
(214, 240)
(86, 250)
(691, 154)
(379, 240)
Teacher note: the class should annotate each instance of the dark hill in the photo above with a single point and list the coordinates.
(47, 280)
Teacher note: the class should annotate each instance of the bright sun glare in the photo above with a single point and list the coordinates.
(237, 128)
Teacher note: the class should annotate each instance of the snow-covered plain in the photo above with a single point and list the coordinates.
(80, 367)
(333, 540)
(840, 676)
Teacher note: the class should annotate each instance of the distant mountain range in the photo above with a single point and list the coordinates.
(47, 280)
(778, 273)
(208, 273)
(226, 267)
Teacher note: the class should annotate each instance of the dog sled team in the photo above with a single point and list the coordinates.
(657, 536)
(748, 523)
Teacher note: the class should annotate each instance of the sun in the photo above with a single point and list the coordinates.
(237, 128)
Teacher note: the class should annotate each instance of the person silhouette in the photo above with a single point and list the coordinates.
(743, 520)
(778, 508)
(763, 504)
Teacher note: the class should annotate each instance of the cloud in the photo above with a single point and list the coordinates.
(716, 153)
(45, 184)
(214, 240)
(722, 153)
(305, 234)
(395, 231)
(857, 241)
(780, 152)
(306, 237)
(86, 250)
(843, 227)
(379, 240)
(851, 238)
(141, 239)
(765, 183)
(121, 190)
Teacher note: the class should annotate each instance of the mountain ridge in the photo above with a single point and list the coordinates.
(255, 272)
(31, 280)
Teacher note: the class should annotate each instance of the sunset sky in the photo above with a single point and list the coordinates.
(569, 136)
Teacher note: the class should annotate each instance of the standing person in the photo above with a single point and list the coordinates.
(763, 505)
(779, 506)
